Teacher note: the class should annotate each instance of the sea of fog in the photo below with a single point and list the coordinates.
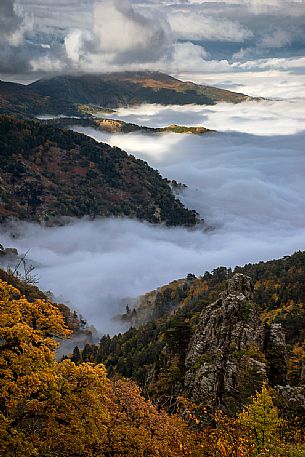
(247, 182)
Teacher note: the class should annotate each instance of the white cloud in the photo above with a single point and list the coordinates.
(184, 56)
(270, 83)
(73, 45)
(125, 33)
(194, 26)
(273, 63)
(85, 35)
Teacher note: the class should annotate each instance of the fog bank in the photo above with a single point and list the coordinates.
(250, 189)
(246, 181)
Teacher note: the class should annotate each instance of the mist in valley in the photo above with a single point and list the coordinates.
(247, 182)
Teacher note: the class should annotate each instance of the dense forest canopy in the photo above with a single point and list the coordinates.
(47, 173)
(60, 409)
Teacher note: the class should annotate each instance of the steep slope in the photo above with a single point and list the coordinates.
(132, 88)
(47, 173)
(227, 357)
(67, 408)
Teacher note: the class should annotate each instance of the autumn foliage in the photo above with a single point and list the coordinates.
(60, 409)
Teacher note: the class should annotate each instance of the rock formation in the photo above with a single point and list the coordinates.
(227, 358)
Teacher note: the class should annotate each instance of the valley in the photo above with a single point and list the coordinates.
(151, 211)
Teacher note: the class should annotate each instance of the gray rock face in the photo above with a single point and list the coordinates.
(276, 354)
(225, 362)
(292, 400)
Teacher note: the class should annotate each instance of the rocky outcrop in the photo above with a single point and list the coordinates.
(276, 355)
(291, 401)
(226, 359)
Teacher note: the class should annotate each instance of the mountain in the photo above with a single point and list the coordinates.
(232, 352)
(22, 101)
(216, 338)
(47, 173)
(115, 90)
(77, 95)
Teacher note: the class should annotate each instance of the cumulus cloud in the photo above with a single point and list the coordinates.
(111, 35)
(116, 36)
(128, 35)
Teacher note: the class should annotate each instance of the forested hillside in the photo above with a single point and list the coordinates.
(158, 350)
(47, 173)
(65, 409)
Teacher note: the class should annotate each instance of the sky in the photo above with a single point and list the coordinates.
(44, 37)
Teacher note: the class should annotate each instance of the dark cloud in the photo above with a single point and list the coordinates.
(10, 21)
(14, 24)
(87, 35)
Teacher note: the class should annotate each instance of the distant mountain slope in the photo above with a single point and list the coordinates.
(46, 173)
(117, 126)
(23, 101)
(114, 90)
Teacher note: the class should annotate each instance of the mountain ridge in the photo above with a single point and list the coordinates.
(113, 90)
(47, 173)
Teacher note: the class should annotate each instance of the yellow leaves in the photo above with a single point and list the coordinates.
(26, 359)
(55, 409)
(8, 292)
(138, 428)
(44, 317)
(262, 420)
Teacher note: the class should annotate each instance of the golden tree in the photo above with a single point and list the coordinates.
(46, 408)
(51, 409)
(262, 419)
